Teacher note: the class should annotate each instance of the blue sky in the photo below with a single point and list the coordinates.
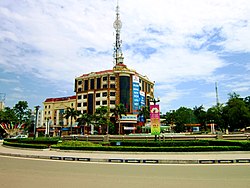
(185, 46)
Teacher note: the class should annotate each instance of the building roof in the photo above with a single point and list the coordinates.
(60, 99)
(99, 72)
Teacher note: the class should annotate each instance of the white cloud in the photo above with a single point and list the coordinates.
(167, 40)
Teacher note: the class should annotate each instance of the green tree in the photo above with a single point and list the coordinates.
(247, 101)
(236, 113)
(144, 113)
(71, 113)
(215, 113)
(8, 115)
(183, 116)
(84, 120)
(101, 117)
(23, 113)
(117, 112)
(200, 115)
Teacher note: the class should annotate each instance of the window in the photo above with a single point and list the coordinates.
(105, 86)
(98, 84)
(79, 82)
(112, 102)
(97, 103)
(104, 102)
(86, 85)
(72, 104)
(79, 104)
(112, 85)
(98, 95)
(105, 78)
(85, 96)
(45, 112)
(148, 87)
(112, 78)
(112, 93)
(142, 84)
(92, 84)
(84, 104)
(45, 107)
(79, 89)
(79, 97)
(104, 94)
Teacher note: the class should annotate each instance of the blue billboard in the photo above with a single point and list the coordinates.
(136, 94)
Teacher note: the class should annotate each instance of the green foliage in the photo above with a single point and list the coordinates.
(22, 111)
(145, 113)
(71, 113)
(235, 114)
(77, 144)
(215, 113)
(117, 112)
(138, 146)
(25, 145)
(200, 115)
(39, 140)
(181, 117)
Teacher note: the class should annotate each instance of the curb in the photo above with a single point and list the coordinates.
(130, 160)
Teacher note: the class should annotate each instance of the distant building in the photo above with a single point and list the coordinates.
(54, 109)
(40, 118)
(1, 105)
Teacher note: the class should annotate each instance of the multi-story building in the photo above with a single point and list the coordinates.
(54, 108)
(115, 86)
(1, 105)
(40, 119)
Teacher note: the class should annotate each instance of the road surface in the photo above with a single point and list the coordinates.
(26, 173)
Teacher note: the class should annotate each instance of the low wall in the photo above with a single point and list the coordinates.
(106, 138)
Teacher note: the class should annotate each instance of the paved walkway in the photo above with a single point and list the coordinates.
(131, 157)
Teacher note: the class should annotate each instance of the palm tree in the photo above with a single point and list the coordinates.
(145, 113)
(101, 116)
(118, 111)
(85, 119)
(71, 113)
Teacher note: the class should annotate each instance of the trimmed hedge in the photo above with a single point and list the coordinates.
(23, 145)
(154, 149)
(47, 141)
(181, 143)
(133, 146)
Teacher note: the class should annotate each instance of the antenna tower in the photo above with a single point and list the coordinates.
(216, 91)
(118, 56)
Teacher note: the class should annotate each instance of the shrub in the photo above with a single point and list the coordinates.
(23, 145)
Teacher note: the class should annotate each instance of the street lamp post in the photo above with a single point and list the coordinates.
(47, 127)
(35, 125)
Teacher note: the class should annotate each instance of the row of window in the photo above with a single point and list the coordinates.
(104, 86)
(95, 83)
(104, 94)
(92, 84)
(84, 104)
(104, 78)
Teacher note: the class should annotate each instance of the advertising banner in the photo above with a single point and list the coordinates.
(142, 99)
(136, 94)
(155, 119)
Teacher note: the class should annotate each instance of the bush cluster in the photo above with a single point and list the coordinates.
(24, 145)
(134, 146)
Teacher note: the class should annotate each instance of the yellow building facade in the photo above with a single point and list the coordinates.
(54, 109)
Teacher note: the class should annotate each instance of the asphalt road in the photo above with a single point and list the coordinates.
(21, 172)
